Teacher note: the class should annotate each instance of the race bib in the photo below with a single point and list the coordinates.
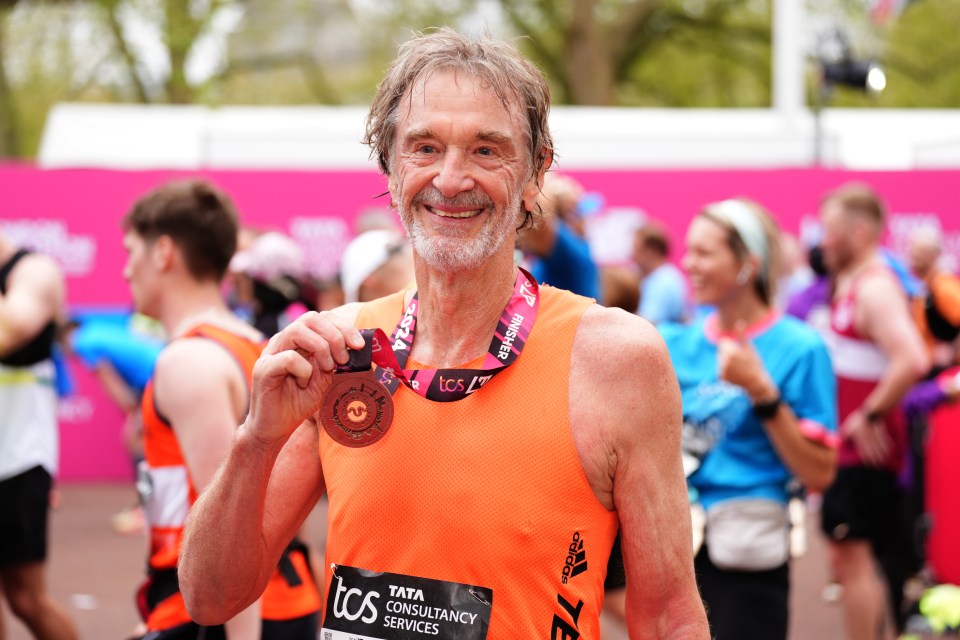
(363, 605)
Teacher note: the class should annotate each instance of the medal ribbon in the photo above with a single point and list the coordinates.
(448, 385)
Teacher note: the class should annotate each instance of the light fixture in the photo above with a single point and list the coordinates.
(866, 76)
(846, 71)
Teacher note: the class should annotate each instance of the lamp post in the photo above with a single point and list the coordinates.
(862, 75)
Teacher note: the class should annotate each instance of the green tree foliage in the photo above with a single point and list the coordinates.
(920, 54)
(923, 56)
(677, 53)
(9, 140)
(652, 53)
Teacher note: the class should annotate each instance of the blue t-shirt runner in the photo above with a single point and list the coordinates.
(721, 433)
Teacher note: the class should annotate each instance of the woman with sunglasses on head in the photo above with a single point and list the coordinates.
(759, 407)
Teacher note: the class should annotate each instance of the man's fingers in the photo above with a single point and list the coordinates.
(304, 341)
(339, 334)
(323, 336)
(875, 446)
(884, 445)
(287, 363)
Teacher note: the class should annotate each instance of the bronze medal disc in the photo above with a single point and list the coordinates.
(357, 410)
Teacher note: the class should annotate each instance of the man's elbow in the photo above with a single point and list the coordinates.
(207, 606)
(204, 605)
(207, 598)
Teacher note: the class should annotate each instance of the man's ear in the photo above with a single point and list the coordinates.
(162, 253)
(535, 185)
(393, 191)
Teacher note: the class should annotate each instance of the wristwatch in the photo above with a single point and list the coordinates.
(768, 409)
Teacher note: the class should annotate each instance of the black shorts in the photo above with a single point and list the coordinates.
(616, 573)
(24, 505)
(304, 628)
(744, 605)
(863, 504)
(189, 631)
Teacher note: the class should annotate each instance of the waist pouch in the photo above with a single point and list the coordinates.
(748, 534)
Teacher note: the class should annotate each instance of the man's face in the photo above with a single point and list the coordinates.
(140, 273)
(461, 175)
(838, 243)
(923, 255)
(643, 256)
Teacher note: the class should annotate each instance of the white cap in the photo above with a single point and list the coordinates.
(270, 256)
(365, 254)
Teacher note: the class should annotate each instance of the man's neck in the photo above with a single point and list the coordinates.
(653, 265)
(459, 312)
(860, 263)
(928, 275)
(191, 305)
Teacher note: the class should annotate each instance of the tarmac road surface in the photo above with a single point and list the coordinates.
(93, 571)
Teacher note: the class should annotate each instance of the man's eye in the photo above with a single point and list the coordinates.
(427, 148)
(485, 151)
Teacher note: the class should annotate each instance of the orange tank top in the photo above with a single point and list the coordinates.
(487, 491)
(167, 493)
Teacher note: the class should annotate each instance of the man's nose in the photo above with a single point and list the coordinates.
(454, 174)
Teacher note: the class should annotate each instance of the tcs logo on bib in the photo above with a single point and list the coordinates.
(363, 609)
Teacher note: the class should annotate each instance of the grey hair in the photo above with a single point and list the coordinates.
(498, 64)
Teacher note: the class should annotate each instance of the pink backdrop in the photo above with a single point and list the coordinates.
(74, 215)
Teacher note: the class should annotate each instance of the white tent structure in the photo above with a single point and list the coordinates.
(137, 137)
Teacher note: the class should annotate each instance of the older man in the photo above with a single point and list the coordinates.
(478, 476)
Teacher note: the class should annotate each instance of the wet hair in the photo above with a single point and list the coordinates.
(499, 65)
(765, 284)
(198, 217)
(859, 199)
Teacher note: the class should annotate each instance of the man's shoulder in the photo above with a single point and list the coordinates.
(879, 287)
(613, 338)
(945, 283)
(194, 357)
(35, 270)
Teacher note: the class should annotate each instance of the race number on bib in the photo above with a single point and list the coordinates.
(363, 605)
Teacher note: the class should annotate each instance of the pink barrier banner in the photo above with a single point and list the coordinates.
(75, 216)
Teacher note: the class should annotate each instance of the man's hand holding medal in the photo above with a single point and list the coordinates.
(292, 376)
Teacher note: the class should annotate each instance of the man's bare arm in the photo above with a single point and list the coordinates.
(195, 381)
(271, 478)
(883, 315)
(34, 297)
(239, 527)
(196, 386)
(640, 440)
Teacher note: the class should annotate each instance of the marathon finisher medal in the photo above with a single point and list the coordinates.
(358, 407)
(357, 410)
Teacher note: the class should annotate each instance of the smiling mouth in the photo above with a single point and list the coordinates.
(453, 214)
